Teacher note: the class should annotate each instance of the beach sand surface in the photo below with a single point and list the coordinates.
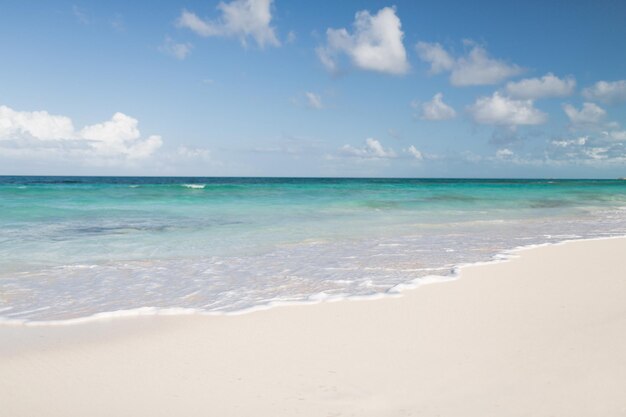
(543, 334)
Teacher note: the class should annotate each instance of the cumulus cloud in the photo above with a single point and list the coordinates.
(177, 50)
(373, 149)
(37, 124)
(608, 92)
(619, 135)
(239, 18)
(375, 44)
(589, 114)
(547, 86)
(474, 68)
(414, 152)
(501, 110)
(24, 133)
(435, 109)
(440, 60)
(314, 101)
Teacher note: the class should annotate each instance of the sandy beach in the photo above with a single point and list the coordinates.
(543, 334)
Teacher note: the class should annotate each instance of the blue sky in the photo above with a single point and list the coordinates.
(291, 88)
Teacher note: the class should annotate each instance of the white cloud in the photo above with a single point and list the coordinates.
(191, 153)
(177, 50)
(373, 149)
(375, 45)
(564, 143)
(619, 135)
(435, 109)
(589, 114)
(475, 68)
(504, 153)
(440, 60)
(121, 127)
(547, 86)
(37, 124)
(590, 150)
(314, 101)
(502, 110)
(119, 136)
(599, 151)
(28, 133)
(240, 18)
(606, 92)
(414, 152)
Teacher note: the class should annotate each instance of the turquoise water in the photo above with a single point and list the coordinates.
(73, 247)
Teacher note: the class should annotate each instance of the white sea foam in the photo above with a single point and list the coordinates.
(320, 297)
(135, 312)
(194, 186)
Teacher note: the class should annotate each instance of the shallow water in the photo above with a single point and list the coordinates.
(72, 247)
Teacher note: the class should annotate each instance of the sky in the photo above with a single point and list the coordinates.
(306, 89)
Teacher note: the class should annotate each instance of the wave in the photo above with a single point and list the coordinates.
(194, 186)
(315, 298)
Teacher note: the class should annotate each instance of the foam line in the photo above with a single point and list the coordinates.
(322, 297)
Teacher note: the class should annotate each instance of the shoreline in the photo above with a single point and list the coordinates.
(397, 290)
(541, 334)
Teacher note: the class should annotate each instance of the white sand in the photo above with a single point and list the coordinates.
(542, 335)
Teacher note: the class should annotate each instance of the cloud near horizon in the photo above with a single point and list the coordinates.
(414, 152)
(39, 133)
(589, 150)
(373, 149)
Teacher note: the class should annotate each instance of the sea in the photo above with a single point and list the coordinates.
(79, 248)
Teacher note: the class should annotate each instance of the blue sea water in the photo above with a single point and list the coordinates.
(73, 247)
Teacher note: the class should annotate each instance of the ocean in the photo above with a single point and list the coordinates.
(79, 247)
